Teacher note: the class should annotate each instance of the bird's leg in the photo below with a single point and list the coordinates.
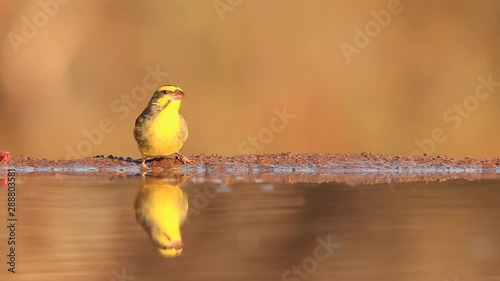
(182, 158)
(143, 164)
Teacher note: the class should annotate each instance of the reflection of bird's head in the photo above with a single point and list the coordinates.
(161, 208)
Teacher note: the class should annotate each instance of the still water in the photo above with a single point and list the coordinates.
(86, 228)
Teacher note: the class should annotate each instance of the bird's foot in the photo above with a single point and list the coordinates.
(143, 165)
(182, 158)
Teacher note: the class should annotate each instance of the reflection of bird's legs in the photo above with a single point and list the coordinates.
(182, 158)
(182, 178)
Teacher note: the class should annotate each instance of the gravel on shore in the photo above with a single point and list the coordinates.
(281, 167)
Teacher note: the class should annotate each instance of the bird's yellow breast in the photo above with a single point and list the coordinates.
(163, 132)
(166, 209)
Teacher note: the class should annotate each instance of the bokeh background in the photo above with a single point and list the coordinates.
(67, 68)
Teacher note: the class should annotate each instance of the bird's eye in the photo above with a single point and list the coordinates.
(164, 91)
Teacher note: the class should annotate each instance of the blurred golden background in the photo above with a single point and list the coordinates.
(392, 77)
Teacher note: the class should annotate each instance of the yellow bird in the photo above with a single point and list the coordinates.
(161, 130)
(161, 208)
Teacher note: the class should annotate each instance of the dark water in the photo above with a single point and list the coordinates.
(85, 228)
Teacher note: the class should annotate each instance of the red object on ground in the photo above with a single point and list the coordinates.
(5, 156)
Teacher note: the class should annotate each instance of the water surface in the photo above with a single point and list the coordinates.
(85, 228)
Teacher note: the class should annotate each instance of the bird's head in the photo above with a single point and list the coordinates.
(167, 94)
(168, 246)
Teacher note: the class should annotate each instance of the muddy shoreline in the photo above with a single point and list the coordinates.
(364, 168)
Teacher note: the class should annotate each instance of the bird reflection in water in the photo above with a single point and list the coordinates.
(161, 208)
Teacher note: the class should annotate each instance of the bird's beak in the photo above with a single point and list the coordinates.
(177, 244)
(178, 95)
